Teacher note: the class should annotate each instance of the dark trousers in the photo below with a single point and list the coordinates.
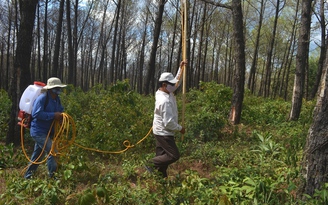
(166, 153)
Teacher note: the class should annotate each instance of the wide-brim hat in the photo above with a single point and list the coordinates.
(54, 83)
(168, 77)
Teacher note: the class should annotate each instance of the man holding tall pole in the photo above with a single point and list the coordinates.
(165, 122)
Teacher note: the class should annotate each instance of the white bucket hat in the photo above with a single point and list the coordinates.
(54, 83)
(166, 76)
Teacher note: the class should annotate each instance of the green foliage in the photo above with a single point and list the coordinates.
(42, 191)
(6, 156)
(267, 147)
(256, 162)
(5, 107)
(262, 111)
(209, 108)
(319, 197)
(9, 156)
(105, 118)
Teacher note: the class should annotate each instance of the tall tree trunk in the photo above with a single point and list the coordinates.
(21, 76)
(199, 76)
(151, 65)
(301, 60)
(70, 44)
(55, 62)
(2, 70)
(268, 68)
(323, 49)
(45, 43)
(6, 80)
(315, 162)
(239, 76)
(103, 40)
(170, 57)
(191, 63)
(251, 79)
(112, 62)
(279, 79)
(39, 67)
(142, 56)
(75, 42)
(290, 56)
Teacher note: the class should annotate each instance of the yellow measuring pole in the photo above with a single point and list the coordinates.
(184, 20)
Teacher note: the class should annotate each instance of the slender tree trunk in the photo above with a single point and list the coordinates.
(323, 49)
(112, 62)
(38, 58)
(70, 43)
(151, 66)
(191, 63)
(45, 43)
(142, 56)
(200, 74)
(55, 62)
(239, 76)
(75, 42)
(251, 79)
(301, 60)
(268, 68)
(21, 76)
(290, 56)
(2, 70)
(6, 81)
(170, 57)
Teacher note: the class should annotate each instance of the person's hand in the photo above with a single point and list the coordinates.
(183, 130)
(58, 116)
(183, 63)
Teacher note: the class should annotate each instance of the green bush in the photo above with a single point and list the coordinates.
(257, 162)
(208, 109)
(107, 117)
(5, 108)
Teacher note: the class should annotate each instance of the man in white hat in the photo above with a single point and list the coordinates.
(46, 108)
(165, 122)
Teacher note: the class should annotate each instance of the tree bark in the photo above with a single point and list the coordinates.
(55, 62)
(70, 43)
(301, 60)
(112, 62)
(251, 79)
(322, 49)
(149, 83)
(45, 44)
(140, 66)
(315, 161)
(239, 75)
(21, 76)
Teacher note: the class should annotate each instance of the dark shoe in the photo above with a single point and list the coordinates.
(149, 169)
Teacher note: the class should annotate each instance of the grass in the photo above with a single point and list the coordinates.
(255, 162)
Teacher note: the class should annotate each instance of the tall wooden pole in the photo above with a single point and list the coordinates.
(184, 20)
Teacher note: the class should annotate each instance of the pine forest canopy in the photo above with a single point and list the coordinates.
(111, 40)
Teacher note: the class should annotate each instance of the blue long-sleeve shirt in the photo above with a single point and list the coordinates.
(43, 116)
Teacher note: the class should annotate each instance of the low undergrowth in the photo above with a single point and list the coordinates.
(256, 162)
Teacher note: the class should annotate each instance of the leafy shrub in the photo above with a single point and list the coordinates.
(208, 110)
(108, 117)
(263, 111)
(5, 107)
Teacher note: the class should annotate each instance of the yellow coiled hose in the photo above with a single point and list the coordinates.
(64, 137)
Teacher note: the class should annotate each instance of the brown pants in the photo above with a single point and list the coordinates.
(166, 153)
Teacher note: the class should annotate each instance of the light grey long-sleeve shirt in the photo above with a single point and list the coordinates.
(165, 121)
